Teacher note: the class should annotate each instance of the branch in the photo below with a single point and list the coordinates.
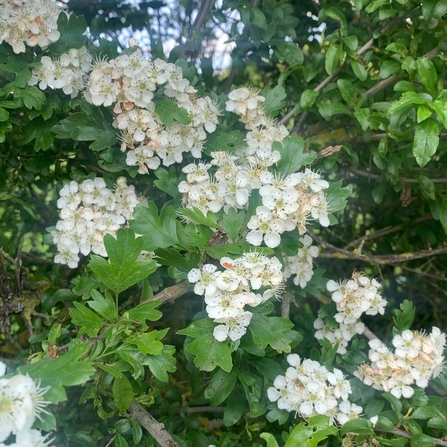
(404, 434)
(156, 430)
(385, 231)
(170, 294)
(403, 179)
(331, 77)
(339, 253)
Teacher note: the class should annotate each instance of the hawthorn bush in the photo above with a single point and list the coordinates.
(205, 257)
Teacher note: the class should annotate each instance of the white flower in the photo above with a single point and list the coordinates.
(234, 327)
(265, 226)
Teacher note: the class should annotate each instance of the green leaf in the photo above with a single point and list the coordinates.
(433, 9)
(311, 433)
(427, 73)
(268, 368)
(160, 365)
(328, 108)
(122, 270)
(271, 331)
(426, 412)
(423, 113)
(396, 404)
(337, 196)
(438, 422)
(293, 157)
(4, 114)
(360, 426)
(104, 305)
(421, 440)
(336, 14)
(208, 352)
(234, 409)
(72, 29)
(270, 439)
(66, 370)
(388, 68)
(347, 91)
(274, 99)
(232, 223)
(156, 231)
(90, 322)
(308, 98)
(406, 101)
(333, 55)
(223, 141)
(259, 19)
(169, 112)
(144, 312)
(32, 97)
(198, 217)
(221, 386)
(359, 70)
(426, 141)
(427, 187)
(122, 393)
(403, 318)
(147, 343)
(440, 107)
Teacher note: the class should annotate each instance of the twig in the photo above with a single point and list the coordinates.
(404, 434)
(155, 428)
(331, 77)
(111, 440)
(285, 304)
(170, 294)
(385, 231)
(403, 179)
(339, 253)
(191, 410)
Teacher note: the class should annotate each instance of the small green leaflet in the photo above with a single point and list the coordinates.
(122, 393)
(169, 112)
(337, 196)
(221, 386)
(161, 364)
(104, 305)
(270, 439)
(198, 217)
(232, 223)
(208, 352)
(157, 231)
(274, 99)
(311, 433)
(72, 29)
(426, 141)
(122, 270)
(293, 157)
(271, 331)
(89, 321)
(403, 318)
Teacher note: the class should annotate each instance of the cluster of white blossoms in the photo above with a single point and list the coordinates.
(353, 297)
(288, 201)
(417, 357)
(248, 280)
(89, 211)
(68, 72)
(301, 265)
(30, 22)
(129, 83)
(21, 401)
(308, 389)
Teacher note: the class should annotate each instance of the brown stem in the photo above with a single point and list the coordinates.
(385, 231)
(403, 179)
(404, 434)
(155, 428)
(170, 294)
(339, 253)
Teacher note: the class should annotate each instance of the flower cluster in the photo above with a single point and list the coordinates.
(68, 72)
(129, 83)
(308, 389)
(301, 265)
(249, 280)
(353, 298)
(30, 22)
(21, 401)
(89, 211)
(287, 202)
(417, 358)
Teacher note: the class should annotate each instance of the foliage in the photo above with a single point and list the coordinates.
(360, 86)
